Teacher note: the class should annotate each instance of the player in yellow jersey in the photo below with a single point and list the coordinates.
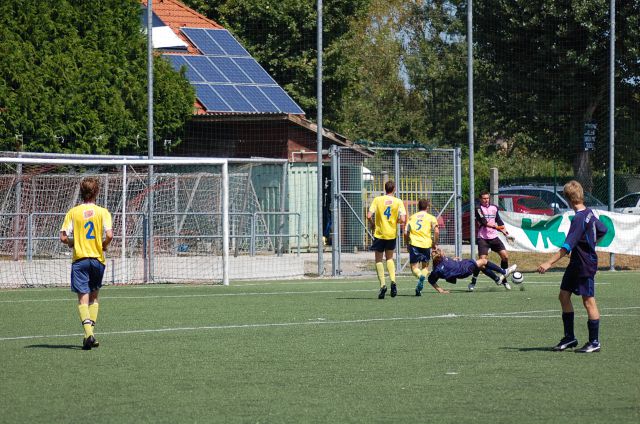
(82, 231)
(389, 212)
(421, 235)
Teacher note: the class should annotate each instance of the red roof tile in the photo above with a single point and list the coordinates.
(176, 15)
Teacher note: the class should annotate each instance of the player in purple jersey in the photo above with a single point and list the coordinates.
(451, 269)
(584, 233)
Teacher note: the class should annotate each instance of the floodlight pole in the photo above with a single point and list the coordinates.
(472, 196)
(150, 130)
(612, 106)
(319, 140)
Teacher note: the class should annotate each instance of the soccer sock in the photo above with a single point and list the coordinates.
(425, 272)
(93, 312)
(474, 279)
(567, 321)
(494, 267)
(85, 318)
(491, 274)
(504, 263)
(380, 272)
(391, 267)
(594, 328)
(416, 271)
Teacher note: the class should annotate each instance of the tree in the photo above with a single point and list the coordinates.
(544, 73)
(378, 103)
(73, 78)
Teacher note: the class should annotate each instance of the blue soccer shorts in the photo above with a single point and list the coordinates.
(582, 286)
(86, 275)
(419, 254)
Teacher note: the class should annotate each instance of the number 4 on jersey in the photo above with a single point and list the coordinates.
(387, 212)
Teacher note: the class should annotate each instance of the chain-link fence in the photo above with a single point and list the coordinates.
(419, 174)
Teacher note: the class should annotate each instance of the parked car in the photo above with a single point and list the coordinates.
(628, 204)
(552, 196)
(524, 204)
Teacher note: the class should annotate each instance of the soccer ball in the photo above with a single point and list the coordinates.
(517, 277)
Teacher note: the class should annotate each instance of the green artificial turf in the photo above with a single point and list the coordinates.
(322, 351)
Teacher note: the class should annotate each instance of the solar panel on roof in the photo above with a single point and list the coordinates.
(228, 43)
(281, 99)
(210, 99)
(257, 98)
(228, 79)
(230, 70)
(233, 98)
(178, 61)
(202, 41)
(253, 70)
(203, 65)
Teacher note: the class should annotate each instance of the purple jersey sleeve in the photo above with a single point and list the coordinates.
(576, 230)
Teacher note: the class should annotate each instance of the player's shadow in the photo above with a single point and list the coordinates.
(528, 349)
(53, 346)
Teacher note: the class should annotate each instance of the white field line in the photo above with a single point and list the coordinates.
(177, 296)
(321, 321)
(163, 286)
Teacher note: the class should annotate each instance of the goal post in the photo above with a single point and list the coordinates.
(190, 200)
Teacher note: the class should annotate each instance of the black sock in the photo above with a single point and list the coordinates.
(594, 327)
(567, 321)
(494, 267)
(504, 263)
(491, 274)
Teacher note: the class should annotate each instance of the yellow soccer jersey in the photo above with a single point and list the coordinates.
(387, 209)
(419, 229)
(86, 223)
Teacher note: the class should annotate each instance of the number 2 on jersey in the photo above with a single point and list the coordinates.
(387, 212)
(89, 227)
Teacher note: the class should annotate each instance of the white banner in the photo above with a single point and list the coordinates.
(541, 233)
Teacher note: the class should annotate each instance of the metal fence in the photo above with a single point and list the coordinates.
(181, 237)
(433, 174)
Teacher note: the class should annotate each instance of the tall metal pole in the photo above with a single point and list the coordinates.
(150, 130)
(225, 223)
(319, 141)
(335, 216)
(612, 107)
(472, 196)
(396, 177)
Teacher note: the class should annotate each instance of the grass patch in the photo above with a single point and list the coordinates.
(319, 351)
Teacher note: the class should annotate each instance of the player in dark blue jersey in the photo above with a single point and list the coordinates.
(584, 233)
(451, 269)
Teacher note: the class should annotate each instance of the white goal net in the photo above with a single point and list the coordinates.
(170, 219)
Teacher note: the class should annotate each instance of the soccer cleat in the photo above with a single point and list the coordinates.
(88, 342)
(95, 343)
(472, 286)
(420, 286)
(565, 344)
(506, 285)
(382, 292)
(510, 270)
(394, 290)
(590, 347)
